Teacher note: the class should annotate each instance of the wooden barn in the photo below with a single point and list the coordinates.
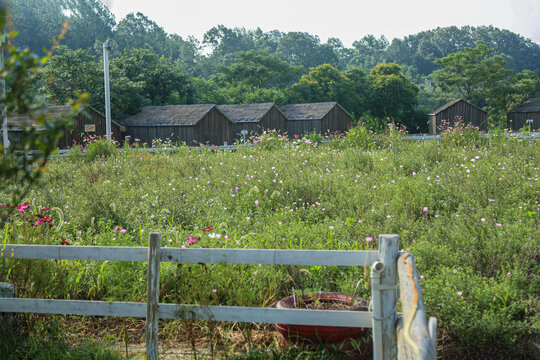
(529, 110)
(254, 118)
(469, 113)
(190, 124)
(87, 122)
(323, 118)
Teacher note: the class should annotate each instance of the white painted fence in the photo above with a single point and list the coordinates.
(384, 289)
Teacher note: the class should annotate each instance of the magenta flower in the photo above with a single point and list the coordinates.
(193, 239)
(123, 231)
(296, 136)
(369, 238)
(425, 209)
(21, 208)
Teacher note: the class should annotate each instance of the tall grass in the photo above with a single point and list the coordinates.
(468, 209)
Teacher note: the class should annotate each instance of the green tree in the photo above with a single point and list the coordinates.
(300, 48)
(326, 83)
(162, 82)
(136, 31)
(89, 22)
(259, 69)
(472, 73)
(392, 95)
(37, 21)
(72, 72)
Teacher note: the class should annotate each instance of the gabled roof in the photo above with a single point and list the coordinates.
(531, 105)
(449, 104)
(313, 111)
(15, 120)
(169, 115)
(246, 113)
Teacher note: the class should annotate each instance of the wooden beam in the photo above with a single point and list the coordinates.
(152, 296)
(414, 339)
(193, 312)
(196, 255)
(388, 255)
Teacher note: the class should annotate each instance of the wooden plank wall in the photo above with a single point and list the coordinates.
(302, 127)
(469, 113)
(275, 120)
(214, 128)
(335, 120)
(88, 117)
(517, 120)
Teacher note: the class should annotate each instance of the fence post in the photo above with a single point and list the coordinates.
(152, 296)
(416, 340)
(388, 255)
(9, 320)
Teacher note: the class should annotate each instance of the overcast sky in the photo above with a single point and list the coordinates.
(345, 20)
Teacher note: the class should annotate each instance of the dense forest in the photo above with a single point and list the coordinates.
(376, 80)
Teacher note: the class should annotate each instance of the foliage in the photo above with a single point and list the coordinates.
(392, 94)
(259, 69)
(22, 163)
(300, 48)
(472, 209)
(326, 83)
(99, 148)
(137, 31)
(471, 73)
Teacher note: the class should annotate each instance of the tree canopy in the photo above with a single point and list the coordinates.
(493, 68)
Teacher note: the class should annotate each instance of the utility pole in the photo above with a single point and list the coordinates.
(5, 138)
(106, 48)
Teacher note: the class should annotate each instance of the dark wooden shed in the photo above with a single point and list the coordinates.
(255, 118)
(529, 110)
(190, 124)
(469, 114)
(87, 122)
(323, 118)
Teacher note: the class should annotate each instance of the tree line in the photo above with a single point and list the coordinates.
(375, 79)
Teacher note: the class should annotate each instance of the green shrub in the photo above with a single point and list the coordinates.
(100, 147)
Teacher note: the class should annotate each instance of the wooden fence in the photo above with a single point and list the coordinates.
(394, 336)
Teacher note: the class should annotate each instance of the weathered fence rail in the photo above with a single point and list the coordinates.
(384, 318)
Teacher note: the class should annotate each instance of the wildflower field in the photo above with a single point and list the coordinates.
(467, 207)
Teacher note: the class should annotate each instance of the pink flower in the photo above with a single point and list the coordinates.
(46, 219)
(193, 239)
(38, 222)
(296, 136)
(44, 208)
(257, 202)
(421, 276)
(4, 206)
(214, 291)
(248, 218)
(425, 209)
(483, 219)
(123, 231)
(499, 225)
(21, 208)
(460, 293)
(369, 238)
